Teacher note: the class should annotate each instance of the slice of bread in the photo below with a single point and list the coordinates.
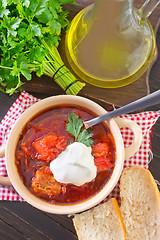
(140, 204)
(103, 222)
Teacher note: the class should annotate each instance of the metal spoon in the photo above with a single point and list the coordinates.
(147, 101)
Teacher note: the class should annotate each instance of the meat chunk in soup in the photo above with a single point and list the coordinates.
(44, 183)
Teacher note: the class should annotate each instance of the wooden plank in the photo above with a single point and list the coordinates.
(7, 232)
(33, 223)
(6, 103)
(64, 221)
(154, 168)
(20, 224)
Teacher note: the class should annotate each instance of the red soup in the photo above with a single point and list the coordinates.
(44, 138)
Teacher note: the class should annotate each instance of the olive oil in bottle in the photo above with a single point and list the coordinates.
(108, 45)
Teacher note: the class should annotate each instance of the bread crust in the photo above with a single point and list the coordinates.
(117, 209)
(83, 225)
(140, 204)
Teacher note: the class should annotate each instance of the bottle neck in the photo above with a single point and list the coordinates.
(127, 17)
(119, 12)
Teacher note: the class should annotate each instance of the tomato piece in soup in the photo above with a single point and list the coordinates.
(48, 147)
(102, 159)
(44, 184)
(100, 150)
(61, 143)
(103, 163)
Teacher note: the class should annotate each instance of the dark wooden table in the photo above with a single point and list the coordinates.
(19, 220)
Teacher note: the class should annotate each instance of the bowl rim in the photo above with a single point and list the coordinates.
(15, 178)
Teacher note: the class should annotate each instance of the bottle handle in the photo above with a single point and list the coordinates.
(4, 180)
(133, 148)
(148, 7)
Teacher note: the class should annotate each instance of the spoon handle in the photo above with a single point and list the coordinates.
(147, 101)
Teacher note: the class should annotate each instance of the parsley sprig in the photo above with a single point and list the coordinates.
(29, 36)
(75, 126)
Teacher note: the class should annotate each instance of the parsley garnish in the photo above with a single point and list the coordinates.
(75, 127)
(29, 36)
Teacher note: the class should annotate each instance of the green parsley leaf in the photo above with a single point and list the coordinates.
(55, 27)
(3, 10)
(34, 29)
(68, 2)
(75, 127)
(85, 137)
(25, 70)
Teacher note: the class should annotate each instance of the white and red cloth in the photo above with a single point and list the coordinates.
(145, 120)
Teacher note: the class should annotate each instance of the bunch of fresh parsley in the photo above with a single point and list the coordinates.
(29, 36)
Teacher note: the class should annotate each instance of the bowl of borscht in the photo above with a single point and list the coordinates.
(57, 165)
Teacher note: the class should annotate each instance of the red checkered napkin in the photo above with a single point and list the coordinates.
(23, 102)
(144, 155)
(145, 120)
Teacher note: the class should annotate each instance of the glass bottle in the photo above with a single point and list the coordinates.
(110, 43)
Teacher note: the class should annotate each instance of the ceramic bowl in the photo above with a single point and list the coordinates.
(121, 153)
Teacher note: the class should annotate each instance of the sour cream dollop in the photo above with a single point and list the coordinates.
(74, 165)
